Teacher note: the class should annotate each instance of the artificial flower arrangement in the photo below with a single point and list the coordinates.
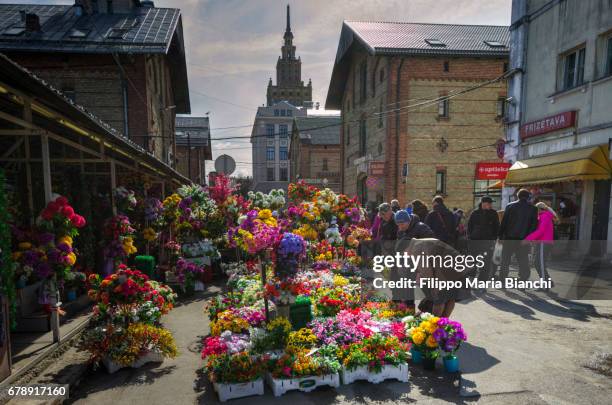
(274, 200)
(300, 191)
(125, 199)
(229, 205)
(119, 239)
(256, 232)
(229, 320)
(375, 352)
(202, 247)
(188, 272)
(422, 337)
(125, 328)
(289, 254)
(331, 301)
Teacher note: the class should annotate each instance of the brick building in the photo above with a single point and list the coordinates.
(315, 151)
(402, 137)
(193, 147)
(123, 60)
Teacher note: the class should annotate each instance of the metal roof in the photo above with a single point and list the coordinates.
(27, 82)
(324, 130)
(192, 122)
(413, 39)
(194, 132)
(143, 30)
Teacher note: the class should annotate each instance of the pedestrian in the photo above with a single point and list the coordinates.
(384, 227)
(482, 230)
(420, 208)
(395, 206)
(543, 236)
(409, 227)
(372, 211)
(519, 220)
(442, 222)
(408, 208)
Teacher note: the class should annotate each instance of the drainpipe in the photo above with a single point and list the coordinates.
(397, 125)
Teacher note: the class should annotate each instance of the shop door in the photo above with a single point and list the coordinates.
(5, 348)
(601, 210)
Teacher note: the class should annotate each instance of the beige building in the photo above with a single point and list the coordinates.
(422, 109)
(315, 151)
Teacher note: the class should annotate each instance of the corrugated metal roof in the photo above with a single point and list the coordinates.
(397, 37)
(413, 39)
(319, 130)
(192, 122)
(143, 30)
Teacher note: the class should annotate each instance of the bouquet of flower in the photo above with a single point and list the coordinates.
(188, 272)
(302, 363)
(124, 199)
(301, 191)
(119, 236)
(375, 352)
(303, 338)
(233, 368)
(289, 253)
(273, 200)
(203, 247)
(257, 231)
(194, 192)
(449, 335)
(153, 211)
(347, 327)
(422, 335)
(228, 320)
(331, 301)
(227, 342)
(59, 217)
(125, 287)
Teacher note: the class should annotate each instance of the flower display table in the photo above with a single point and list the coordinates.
(388, 372)
(239, 390)
(281, 386)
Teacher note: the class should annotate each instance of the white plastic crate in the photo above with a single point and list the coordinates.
(151, 357)
(239, 390)
(281, 386)
(400, 373)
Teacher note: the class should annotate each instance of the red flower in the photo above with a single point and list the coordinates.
(53, 207)
(46, 214)
(67, 211)
(61, 200)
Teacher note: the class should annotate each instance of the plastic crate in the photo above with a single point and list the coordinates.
(145, 264)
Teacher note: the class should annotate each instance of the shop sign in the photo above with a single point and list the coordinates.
(492, 170)
(553, 123)
(376, 168)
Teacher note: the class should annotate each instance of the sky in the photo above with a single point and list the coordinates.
(232, 47)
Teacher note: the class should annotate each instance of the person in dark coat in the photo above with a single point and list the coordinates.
(442, 222)
(410, 226)
(395, 206)
(384, 227)
(520, 219)
(420, 208)
(482, 230)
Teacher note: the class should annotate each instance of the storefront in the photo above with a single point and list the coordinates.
(575, 183)
(488, 180)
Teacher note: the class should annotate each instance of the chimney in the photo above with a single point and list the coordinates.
(32, 22)
(85, 6)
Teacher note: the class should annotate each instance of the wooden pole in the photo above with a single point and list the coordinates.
(27, 115)
(113, 178)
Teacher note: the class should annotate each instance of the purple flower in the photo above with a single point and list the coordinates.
(45, 238)
(43, 270)
(64, 247)
(440, 334)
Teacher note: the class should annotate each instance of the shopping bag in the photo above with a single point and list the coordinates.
(497, 253)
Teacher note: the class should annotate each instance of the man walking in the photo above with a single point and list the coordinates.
(483, 227)
(442, 222)
(384, 226)
(520, 219)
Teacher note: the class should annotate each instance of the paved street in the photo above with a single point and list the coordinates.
(521, 349)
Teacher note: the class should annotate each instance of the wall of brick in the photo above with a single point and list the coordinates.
(472, 123)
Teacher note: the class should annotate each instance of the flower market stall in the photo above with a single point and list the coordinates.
(296, 313)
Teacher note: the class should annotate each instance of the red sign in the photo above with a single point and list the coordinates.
(491, 171)
(553, 123)
(376, 168)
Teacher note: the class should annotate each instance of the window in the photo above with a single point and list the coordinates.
(270, 174)
(283, 153)
(363, 81)
(443, 108)
(270, 130)
(609, 57)
(270, 153)
(283, 174)
(362, 137)
(381, 121)
(573, 69)
(289, 113)
(283, 113)
(435, 42)
(325, 165)
(446, 66)
(501, 107)
(440, 181)
(348, 135)
(276, 113)
(282, 130)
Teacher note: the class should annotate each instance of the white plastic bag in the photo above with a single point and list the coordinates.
(497, 253)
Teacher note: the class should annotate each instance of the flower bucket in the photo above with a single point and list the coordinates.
(304, 384)
(71, 295)
(429, 363)
(451, 363)
(388, 372)
(417, 356)
(150, 357)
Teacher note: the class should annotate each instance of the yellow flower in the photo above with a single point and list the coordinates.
(431, 342)
(66, 239)
(418, 337)
(71, 258)
(25, 245)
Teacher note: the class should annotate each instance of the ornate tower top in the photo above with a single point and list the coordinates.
(288, 50)
(288, 33)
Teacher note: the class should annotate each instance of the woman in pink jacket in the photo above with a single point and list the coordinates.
(543, 236)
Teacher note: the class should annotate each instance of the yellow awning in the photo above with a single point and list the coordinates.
(574, 165)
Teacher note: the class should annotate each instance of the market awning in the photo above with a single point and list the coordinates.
(575, 165)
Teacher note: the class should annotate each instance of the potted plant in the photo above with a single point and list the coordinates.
(423, 340)
(235, 375)
(449, 336)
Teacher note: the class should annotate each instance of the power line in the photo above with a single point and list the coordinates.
(221, 100)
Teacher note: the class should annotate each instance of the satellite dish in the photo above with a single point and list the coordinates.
(225, 164)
